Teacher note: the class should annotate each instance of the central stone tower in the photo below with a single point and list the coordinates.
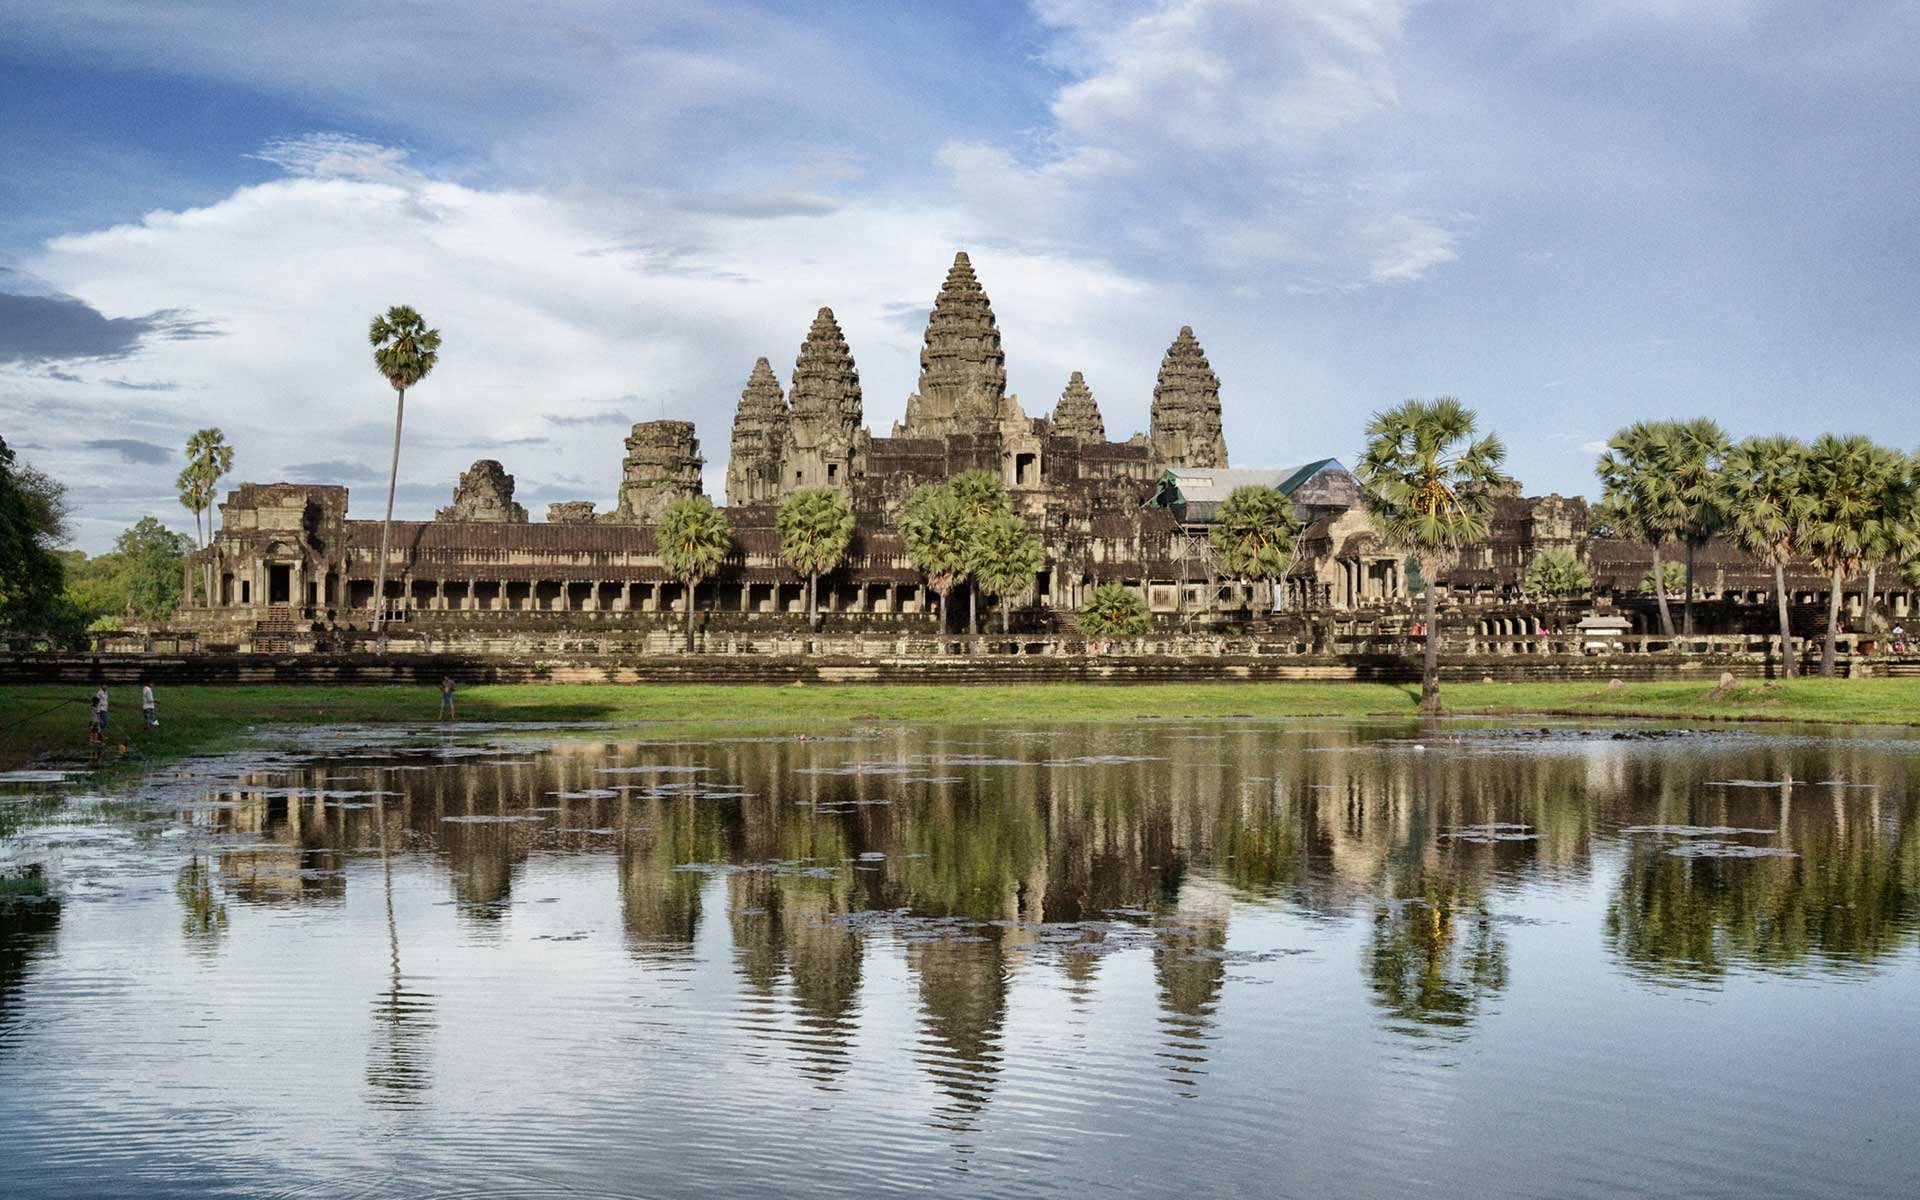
(963, 372)
(1185, 427)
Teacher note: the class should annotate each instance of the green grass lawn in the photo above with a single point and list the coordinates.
(42, 721)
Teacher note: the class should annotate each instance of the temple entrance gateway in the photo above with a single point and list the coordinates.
(279, 583)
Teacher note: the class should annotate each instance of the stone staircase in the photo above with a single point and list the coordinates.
(274, 633)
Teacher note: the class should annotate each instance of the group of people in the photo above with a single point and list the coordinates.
(102, 701)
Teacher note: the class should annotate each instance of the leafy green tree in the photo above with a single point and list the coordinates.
(1673, 580)
(1696, 453)
(1558, 573)
(816, 527)
(1430, 484)
(939, 538)
(1760, 488)
(693, 540)
(404, 352)
(209, 458)
(1005, 557)
(1639, 498)
(1850, 485)
(1255, 533)
(1114, 610)
(152, 558)
(33, 520)
(982, 498)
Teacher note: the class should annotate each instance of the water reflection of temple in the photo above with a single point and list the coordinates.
(1155, 837)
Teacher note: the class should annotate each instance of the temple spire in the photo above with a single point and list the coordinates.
(759, 433)
(1077, 415)
(963, 372)
(824, 427)
(1185, 427)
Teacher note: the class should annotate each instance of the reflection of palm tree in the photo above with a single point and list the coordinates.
(1434, 958)
(397, 1065)
(203, 919)
(26, 930)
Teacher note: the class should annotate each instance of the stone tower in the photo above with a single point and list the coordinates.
(759, 436)
(1077, 416)
(1185, 428)
(825, 433)
(484, 493)
(663, 464)
(963, 373)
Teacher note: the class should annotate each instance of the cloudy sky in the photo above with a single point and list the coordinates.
(1571, 215)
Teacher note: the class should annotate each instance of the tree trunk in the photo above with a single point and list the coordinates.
(386, 526)
(692, 585)
(946, 610)
(1660, 593)
(1786, 627)
(1686, 601)
(1833, 627)
(973, 609)
(813, 602)
(1006, 619)
(1430, 668)
(1867, 608)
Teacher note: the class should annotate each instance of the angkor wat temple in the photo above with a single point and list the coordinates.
(287, 556)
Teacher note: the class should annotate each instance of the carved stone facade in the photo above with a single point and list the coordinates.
(1185, 427)
(484, 493)
(663, 464)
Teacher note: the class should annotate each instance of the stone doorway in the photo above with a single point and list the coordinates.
(279, 583)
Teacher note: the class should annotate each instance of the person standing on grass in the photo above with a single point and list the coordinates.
(97, 732)
(147, 709)
(446, 697)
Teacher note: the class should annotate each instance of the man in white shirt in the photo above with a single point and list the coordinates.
(146, 705)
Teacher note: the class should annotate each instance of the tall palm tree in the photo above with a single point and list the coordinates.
(938, 537)
(1006, 557)
(209, 458)
(1851, 484)
(1429, 484)
(1893, 534)
(981, 497)
(1697, 449)
(692, 538)
(1255, 533)
(816, 527)
(1760, 495)
(1639, 498)
(404, 352)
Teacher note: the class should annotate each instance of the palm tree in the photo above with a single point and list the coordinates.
(1671, 582)
(1851, 485)
(1893, 534)
(1256, 533)
(816, 527)
(1005, 558)
(938, 537)
(981, 497)
(1429, 485)
(1639, 499)
(1760, 494)
(1114, 610)
(209, 458)
(1558, 574)
(404, 351)
(692, 539)
(1697, 450)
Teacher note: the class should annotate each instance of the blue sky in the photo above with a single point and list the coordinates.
(1570, 215)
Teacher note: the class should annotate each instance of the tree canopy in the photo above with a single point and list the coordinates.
(938, 535)
(1558, 573)
(1255, 532)
(1114, 610)
(33, 521)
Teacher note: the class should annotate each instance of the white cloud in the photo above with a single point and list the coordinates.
(1226, 135)
(552, 318)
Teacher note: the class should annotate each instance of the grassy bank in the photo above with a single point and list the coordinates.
(51, 720)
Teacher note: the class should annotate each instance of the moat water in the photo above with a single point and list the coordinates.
(1312, 958)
